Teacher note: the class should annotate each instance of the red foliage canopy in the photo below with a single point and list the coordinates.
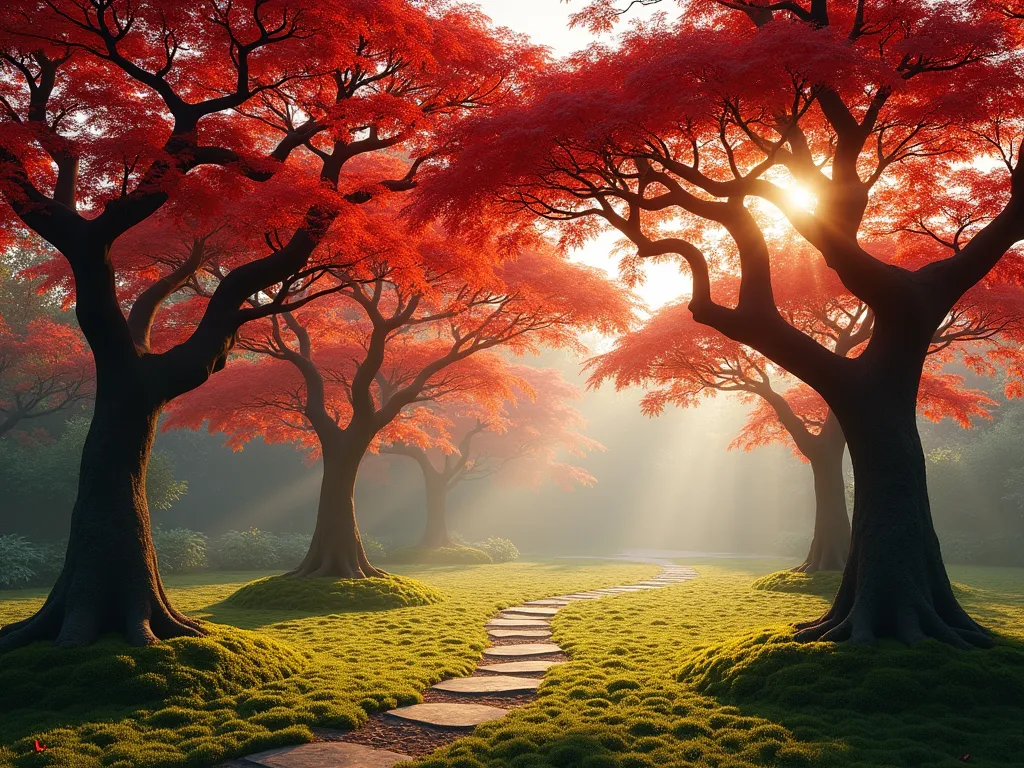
(44, 369)
(680, 361)
(524, 441)
(410, 321)
(249, 122)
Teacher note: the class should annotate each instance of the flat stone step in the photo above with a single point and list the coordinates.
(538, 633)
(327, 754)
(549, 601)
(528, 610)
(484, 685)
(523, 623)
(518, 667)
(523, 649)
(449, 715)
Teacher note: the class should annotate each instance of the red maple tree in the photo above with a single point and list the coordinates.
(401, 327)
(44, 369)
(681, 362)
(853, 130)
(121, 122)
(523, 442)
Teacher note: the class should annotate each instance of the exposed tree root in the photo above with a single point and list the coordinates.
(343, 563)
(73, 621)
(830, 556)
(862, 613)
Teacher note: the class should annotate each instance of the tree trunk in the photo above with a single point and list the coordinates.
(831, 542)
(337, 549)
(435, 535)
(894, 583)
(110, 581)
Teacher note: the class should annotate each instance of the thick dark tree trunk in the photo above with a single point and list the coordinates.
(435, 534)
(831, 543)
(894, 584)
(337, 549)
(110, 581)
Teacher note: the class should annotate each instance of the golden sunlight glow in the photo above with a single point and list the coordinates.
(801, 197)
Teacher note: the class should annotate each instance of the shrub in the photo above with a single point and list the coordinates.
(251, 550)
(501, 550)
(180, 550)
(19, 562)
(971, 549)
(289, 548)
(791, 544)
(454, 555)
(51, 562)
(375, 548)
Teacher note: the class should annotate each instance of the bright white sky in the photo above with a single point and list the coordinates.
(547, 22)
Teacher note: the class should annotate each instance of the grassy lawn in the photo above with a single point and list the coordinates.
(194, 702)
(705, 674)
(702, 674)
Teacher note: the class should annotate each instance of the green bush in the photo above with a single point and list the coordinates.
(375, 548)
(453, 555)
(180, 550)
(791, 544)
(971, 549)
(251, 550)
(256, 550)
(19, 562)
(501, 550)
(289, 549)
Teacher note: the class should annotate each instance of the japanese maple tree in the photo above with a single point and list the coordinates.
(405, 326)
(681, 362)
(886, 137)
(44, 369)
(246, 116)
(525, 442)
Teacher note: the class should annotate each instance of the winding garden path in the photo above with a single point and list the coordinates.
(520, 653)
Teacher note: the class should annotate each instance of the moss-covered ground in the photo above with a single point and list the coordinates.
(822, 583)
(330, 595)
(705, 674)
(196, 702)
(702, 674)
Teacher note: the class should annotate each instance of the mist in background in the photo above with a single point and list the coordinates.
(667, 482)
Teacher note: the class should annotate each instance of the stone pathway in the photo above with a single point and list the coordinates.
(454, 707)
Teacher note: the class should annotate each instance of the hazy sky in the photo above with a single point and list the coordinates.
(547, 22)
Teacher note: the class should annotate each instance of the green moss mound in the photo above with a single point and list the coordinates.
(184, 670)
(822, 583)
(108, 681)
(453, 555)
(333, 595)
(358, 664)
(911, 695)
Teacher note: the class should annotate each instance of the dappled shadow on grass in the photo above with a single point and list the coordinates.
(888, 704)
